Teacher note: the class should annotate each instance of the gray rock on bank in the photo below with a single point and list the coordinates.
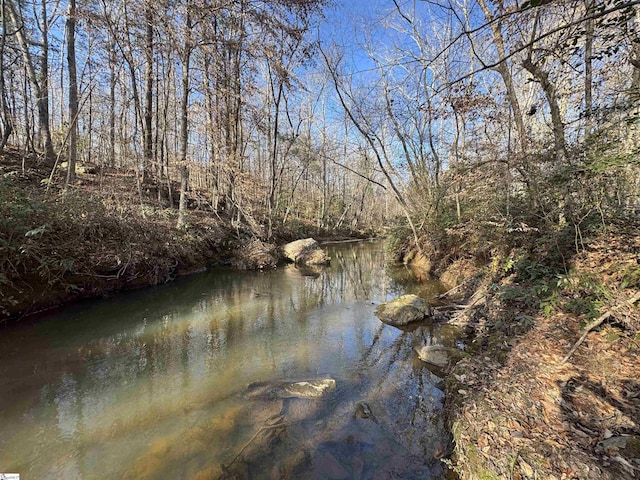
(306, 252)
(404, 311)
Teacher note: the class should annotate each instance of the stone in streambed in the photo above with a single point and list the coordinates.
(306, 252)
(312, 389)
(434, 354)
(404, 311)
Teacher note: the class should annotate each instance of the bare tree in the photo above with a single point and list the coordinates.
(185, 58)
(7, 117)
(73, 92)
(39, 85)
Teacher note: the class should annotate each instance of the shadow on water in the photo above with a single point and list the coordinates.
(151, 384)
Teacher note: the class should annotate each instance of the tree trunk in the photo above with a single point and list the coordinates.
(552, 98)
(212, 132)
(112, 104)
(505, 73)
(273, 184)
(184, 112)
(41, 94)
(588, 71)
(7, 118)
(73, 93)
(148, 97)
(184, 185)
(43, 108)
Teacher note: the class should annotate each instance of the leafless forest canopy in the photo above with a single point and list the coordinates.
(519, 113)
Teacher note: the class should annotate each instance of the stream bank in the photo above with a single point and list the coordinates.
(524, 404)
(107, 234)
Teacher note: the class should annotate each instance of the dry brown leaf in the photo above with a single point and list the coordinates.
(526, 468)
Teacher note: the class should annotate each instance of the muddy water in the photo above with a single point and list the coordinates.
(152, 384)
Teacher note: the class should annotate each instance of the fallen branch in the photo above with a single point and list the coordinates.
(450, 307)
(351, 240)
(448, 292)
(597, 322)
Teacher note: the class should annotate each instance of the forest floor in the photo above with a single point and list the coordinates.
(108, 233)
(517, 409)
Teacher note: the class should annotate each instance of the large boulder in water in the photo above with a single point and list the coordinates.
(404, 311)
(305, 251)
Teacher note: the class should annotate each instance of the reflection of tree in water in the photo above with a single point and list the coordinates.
(169, 364)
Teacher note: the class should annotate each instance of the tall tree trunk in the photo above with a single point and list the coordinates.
(43, 109)
(505, 73)
(148, 97)
(273, 153)
(41, 94)
(211, 132)
(552, 99)
(73, 92)
(7, 118)
(129, 60)
(588, 71)
(184, 111)
(112, 103)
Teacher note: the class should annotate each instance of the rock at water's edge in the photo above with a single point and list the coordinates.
(305, 251)
(404, 310)
(434, 354)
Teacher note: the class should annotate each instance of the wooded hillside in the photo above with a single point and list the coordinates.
(514, 113)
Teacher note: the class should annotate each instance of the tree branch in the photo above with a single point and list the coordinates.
(597, 322)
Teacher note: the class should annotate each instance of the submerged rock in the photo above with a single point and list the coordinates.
(316, 388)
(363, 410)
(435, 355)
(362, 449)
(404, 310)
(302, 270)
(306, 251)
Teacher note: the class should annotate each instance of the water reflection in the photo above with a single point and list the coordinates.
(149, 384)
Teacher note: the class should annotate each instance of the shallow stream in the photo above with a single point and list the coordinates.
(153, 384)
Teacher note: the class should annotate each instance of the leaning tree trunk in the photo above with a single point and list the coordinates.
(552, 98)
(505, 73)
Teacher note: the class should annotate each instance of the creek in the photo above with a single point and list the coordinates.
(153, 383)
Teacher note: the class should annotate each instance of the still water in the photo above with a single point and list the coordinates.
(153, 384)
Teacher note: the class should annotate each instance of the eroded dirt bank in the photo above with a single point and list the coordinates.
(521, 407)
(108, 232)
